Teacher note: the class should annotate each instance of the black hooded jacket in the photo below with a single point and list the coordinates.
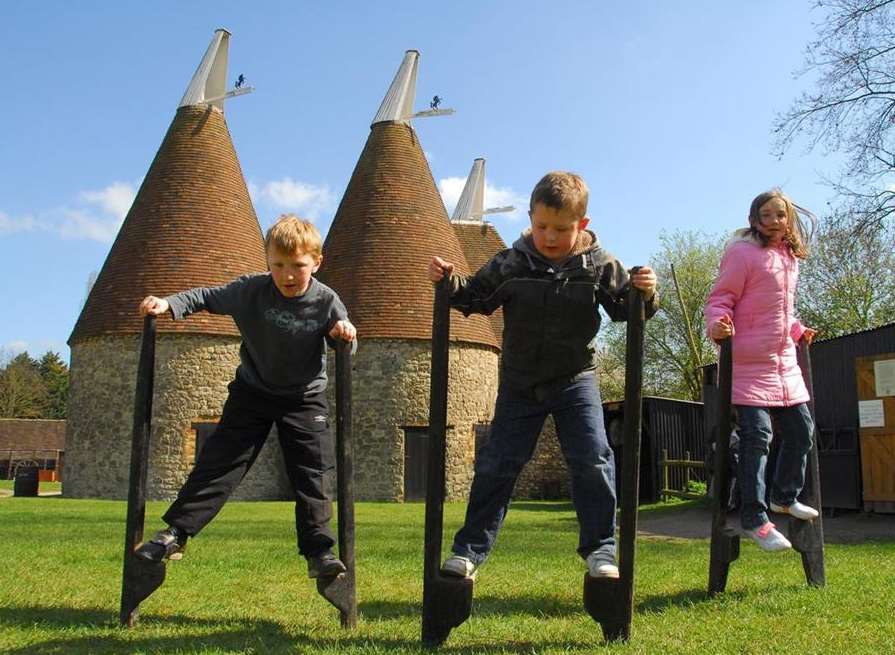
(551, 311)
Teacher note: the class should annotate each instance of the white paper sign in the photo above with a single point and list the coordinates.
(870, 414)
(884, 372)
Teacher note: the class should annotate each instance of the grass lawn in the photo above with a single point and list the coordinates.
(242, 589)
(7, 485)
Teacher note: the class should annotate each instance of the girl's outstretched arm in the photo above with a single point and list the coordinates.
(726, 292)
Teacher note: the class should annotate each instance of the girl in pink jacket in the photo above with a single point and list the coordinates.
(752, 302)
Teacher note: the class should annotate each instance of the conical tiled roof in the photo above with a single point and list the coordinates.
(192, 224)
(390, 223)
(480, 242)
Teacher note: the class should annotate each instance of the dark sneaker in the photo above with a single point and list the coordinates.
(459, 566)
(166, 544)
(325, 565)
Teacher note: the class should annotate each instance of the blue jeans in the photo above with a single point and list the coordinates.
(755, 432)
(518, 419)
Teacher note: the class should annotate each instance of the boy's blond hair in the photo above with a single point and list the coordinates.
(561, 190)
(293, 235)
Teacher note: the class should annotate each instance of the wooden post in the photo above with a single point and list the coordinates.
(725, 547)
(687, 473)
(341, 590)
(609, 601)
(665, 486)
(447, 601)
(139, 578)
(807, 537)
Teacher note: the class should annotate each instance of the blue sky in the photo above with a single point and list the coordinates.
(664, 107)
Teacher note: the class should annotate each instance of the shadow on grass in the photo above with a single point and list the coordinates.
(540, 606)
(226, 634)
(659, 603)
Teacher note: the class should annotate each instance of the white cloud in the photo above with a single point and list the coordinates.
(16, 347)
(81, 224)
(95, 215)
(303, 198)
(100, 217)
(451, 188)
(10, 225)
(115, 200)
(504, 197)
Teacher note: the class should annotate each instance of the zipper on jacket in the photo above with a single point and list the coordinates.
(786, 322)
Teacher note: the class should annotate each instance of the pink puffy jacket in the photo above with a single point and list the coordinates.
(756, 287)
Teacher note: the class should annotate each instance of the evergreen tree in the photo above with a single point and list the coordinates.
(54, 373)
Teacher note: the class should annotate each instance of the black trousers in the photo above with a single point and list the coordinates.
(229, 453)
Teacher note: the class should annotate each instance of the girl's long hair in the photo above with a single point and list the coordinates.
(800, 223)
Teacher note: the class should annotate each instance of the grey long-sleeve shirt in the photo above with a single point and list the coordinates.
(283, 350)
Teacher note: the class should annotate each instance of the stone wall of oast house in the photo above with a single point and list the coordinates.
(546, 475)
(390, 389)
(191, 377)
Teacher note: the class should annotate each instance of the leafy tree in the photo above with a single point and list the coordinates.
(54, 373)
(847, 284)
(22, 391)
(675, 343)
(851, 108)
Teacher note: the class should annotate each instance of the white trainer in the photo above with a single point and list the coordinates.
(797, 510)
(768, 538)
(459, 566)
(601, 564)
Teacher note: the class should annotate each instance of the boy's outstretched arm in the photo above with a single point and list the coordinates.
(613, 289)
(476, 294)
(224, 299)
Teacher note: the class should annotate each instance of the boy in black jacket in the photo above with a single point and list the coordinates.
(550, 285)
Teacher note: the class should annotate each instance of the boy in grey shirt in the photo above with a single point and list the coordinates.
(284, 318)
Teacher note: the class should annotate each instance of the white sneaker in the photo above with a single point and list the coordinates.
(601, 564)
(459, 566)
(797, 510)
(768, 538)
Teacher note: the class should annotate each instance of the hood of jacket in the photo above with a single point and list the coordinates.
(586, 242)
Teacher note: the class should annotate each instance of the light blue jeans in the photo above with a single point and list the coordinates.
(755, 432)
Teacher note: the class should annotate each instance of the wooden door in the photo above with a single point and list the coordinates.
(416, 458)
(877, 442)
